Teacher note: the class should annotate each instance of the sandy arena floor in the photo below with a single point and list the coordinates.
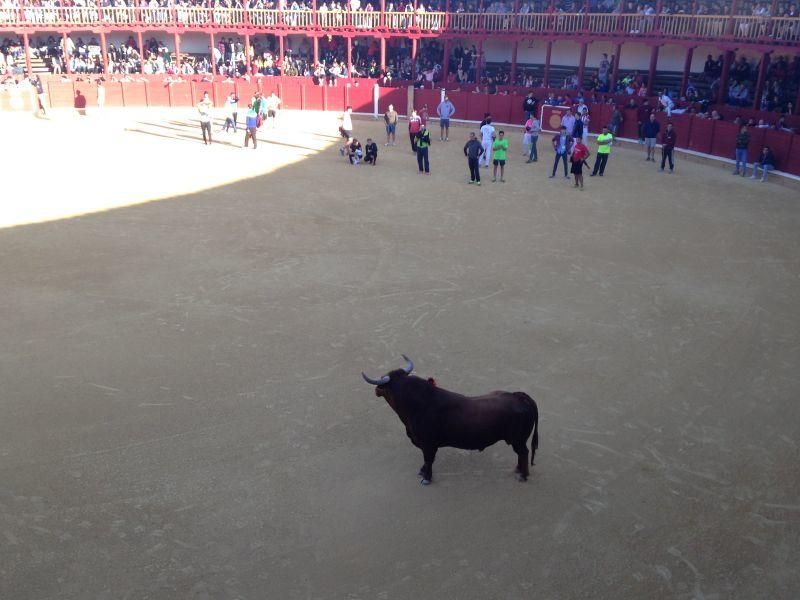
(182, 412)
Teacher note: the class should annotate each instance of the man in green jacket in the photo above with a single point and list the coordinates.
(422, 140)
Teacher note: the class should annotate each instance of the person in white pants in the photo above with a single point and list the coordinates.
(487, 139)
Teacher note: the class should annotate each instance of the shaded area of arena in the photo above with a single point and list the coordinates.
(183, 414)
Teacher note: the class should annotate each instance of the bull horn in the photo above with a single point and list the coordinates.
(409, 364)
(382, 381)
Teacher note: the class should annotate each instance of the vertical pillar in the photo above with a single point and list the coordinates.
(657, 24)
(383, 53)
(414, 57)
(141, 52)
(582, 64)
(478, 62)
(248, 55)
(514, 49)
(546, 78)
(383, 16)
(26, 45)
(211, 53)
(615, 66)
(314, 13)
(447, 15)
(730, 25)
(445, 61)
(349, 55)
(687, 68)
(723, 78)
(281, 47)
(651, 72)
(178, 51)
(65, 52)
(316, 50)
(762, 75)
(104, 52)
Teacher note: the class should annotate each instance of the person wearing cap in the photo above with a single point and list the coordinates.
(604, 141)
(445, 110)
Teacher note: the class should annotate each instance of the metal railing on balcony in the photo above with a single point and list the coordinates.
(784, 30)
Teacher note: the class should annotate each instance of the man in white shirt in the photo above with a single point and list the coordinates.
(487, 139)
(568, 121)
(204, 108)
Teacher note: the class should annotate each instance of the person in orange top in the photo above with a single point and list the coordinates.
(579, 155)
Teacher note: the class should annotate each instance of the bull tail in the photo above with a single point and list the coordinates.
(535, 409)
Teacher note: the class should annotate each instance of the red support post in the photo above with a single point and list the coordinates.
(615, 66)
(383, 15)
(178, 51)
(731, 21)
(687, 68)
(657, 23)
(67, 57)
(141, 51)
(211, 53)
(314, 13)
(582, 64)
(316, 50)
(723, 78)
(762, 75)
(514, 49)
(414, 58)
(27, 47)
(281, 48)
(651, 72)
(548, 54)
(479, 61)
(104, 52)
(383, 53)
(349, 55)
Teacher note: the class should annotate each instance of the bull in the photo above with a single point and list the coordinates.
(437, 418)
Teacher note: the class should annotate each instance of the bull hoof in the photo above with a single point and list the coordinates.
(424, 481)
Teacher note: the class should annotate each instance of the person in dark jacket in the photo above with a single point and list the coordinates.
(473, 150)
(742, 142)
(529, 106)
(767, 163)
(371, 152)
(562, 145)
(668, 139)
(423, 141)
(650, 130)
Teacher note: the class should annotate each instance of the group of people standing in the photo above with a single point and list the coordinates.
(260, 110)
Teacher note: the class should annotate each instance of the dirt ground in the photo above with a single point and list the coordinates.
(183, 414)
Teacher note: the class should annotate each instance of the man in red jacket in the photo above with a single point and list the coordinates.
(668, 139)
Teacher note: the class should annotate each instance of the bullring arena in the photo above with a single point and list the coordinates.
(183, 411)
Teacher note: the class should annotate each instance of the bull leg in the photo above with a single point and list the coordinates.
(426, 472)
(522, 471)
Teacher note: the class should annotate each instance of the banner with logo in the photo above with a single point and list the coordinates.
(550, 118)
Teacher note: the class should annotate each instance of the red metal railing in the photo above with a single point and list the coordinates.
(747, 29)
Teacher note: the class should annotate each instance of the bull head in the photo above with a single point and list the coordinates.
(385, 379)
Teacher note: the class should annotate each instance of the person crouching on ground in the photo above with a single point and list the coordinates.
(354, 151)
(251, 126)
(579, 155)
(371, 152)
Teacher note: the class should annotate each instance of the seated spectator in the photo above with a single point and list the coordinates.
(766, 162)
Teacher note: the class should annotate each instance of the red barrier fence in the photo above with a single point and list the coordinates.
(716, 138)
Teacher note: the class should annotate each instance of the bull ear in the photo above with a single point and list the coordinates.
(409, 364)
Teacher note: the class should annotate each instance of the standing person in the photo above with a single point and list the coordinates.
(668, 139)
(232, 113)
(101, 93)
(414, 125)
(347, 123)
(445, 110)
(251, 126)
(535, 129)
(273, 104)
(529, 106)
(487, 139)
(650, 131)
(585, 126)
(423, 115)
(562, 144)
(643, 115)
(40, 95)
(390, 120)
(568, 121)
(500, 149)
(473, 151)
(616, 121)
(742, 142)
(767, 163)
(579, 155)
(423, 142)
(604, 141)
(371, 152)
(204, 108)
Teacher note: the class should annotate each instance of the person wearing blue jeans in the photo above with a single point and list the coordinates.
(767, 163)
(742, 142)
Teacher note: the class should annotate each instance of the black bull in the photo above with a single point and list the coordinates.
(436, 418)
